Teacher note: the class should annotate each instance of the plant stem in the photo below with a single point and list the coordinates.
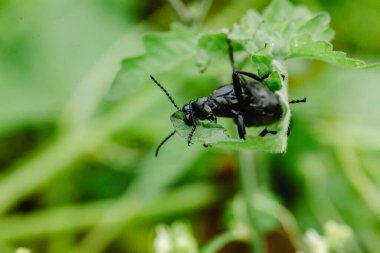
(249, 186)
(367, 190)
(181, 11)
(146, 188)
(63, 150)
(185, 199)
(220, 241)
(205, 6)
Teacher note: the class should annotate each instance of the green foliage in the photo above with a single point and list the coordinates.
(210, 46)
(88, 181)
(163, 52)
(274, 82)
(304, 46)
(284, 31)
(209, 131)
(263, 64)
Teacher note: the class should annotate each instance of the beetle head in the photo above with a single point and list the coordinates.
(187, 110)
(198, 109)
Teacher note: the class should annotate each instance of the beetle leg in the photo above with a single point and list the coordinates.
(251, 75)
(266, 131)
(235, 75)
(298, 101)
(289, 127)
(213, 119)
(237, 86)
(231, 53)
(191, 134)
(194, 124)
(240, 124)
(265, 76)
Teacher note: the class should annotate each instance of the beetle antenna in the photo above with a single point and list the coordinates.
(166, 92)
(298, 101)
(162, 142)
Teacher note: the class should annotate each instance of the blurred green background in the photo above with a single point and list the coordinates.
(78, 172)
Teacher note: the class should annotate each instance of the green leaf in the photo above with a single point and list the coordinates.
(281, 21)
(214, 43)
(207, 132)
(318, 27)
(211, 133)
(249, 32)
(211, 45)
(303, 46)
(274, 81)
(290, 31)
(278, 11)
(251, 21)
(284, 31)
(263, 64)
(163, 52)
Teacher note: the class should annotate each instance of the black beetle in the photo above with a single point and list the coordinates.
(248, 102)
